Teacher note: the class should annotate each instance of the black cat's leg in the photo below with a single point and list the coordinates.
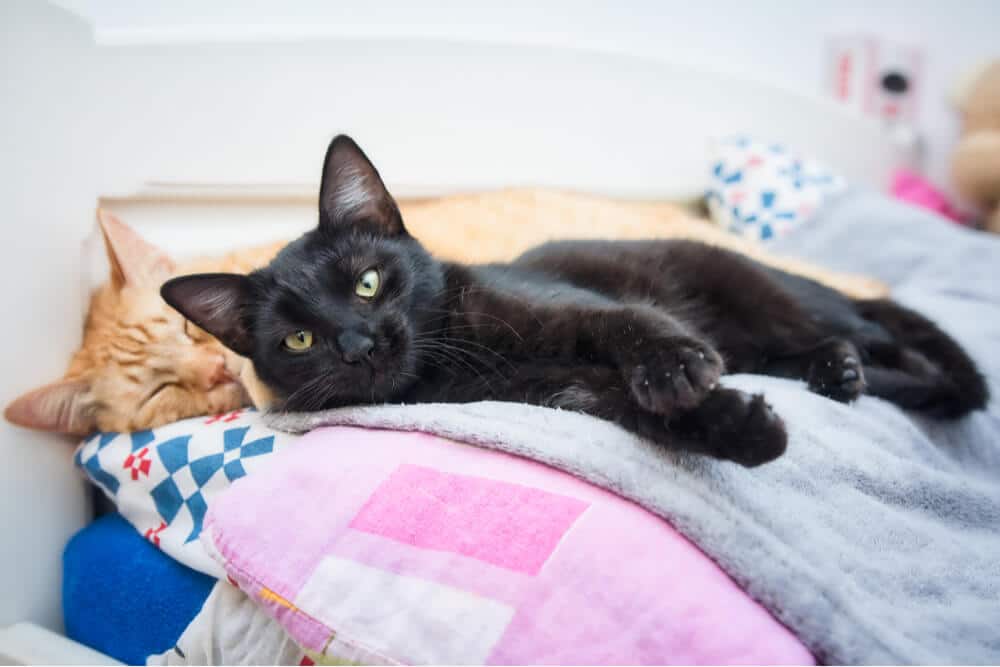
(771, 322)
(727, 424)
(932, 373)
(934, 396)
(733, 425)
(833, 369)
(667, 366)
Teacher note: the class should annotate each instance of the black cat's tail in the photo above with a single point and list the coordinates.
(922, 368)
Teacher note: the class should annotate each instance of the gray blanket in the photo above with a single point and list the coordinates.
(876, 538)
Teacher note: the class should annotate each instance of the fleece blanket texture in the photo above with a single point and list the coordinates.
(876, 538)
(123, 596)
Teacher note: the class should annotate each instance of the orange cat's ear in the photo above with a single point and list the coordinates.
(61, 407)
(133, 260)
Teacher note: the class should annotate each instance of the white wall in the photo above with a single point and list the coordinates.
(44, 174)
(777, 41)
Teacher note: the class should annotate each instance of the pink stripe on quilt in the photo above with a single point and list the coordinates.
(509, 525)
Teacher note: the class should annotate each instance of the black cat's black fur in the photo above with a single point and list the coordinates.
(635, 332)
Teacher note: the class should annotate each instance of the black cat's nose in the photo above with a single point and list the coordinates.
(354, 346)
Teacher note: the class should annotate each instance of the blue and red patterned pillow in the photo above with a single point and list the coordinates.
(163, 480)
(765, 190)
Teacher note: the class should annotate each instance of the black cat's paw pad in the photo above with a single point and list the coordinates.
(745, 429)
(836, 372)
(674, 375)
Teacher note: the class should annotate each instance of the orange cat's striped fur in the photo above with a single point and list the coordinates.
(141, 365)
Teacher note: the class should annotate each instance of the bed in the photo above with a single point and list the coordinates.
(437, 117)
(430, 533)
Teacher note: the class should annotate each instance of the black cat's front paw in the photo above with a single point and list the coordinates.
(671, 375)
(742, 428)
(835, 371)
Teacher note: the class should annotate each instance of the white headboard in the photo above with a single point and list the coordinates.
(232, 137)
(166, 134)
(249, 123)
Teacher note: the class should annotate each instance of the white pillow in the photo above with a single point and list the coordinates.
(764, 190)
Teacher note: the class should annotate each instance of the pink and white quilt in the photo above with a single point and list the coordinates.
(383, 546)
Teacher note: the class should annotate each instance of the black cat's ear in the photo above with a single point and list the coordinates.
(215, 302)
(352, 192)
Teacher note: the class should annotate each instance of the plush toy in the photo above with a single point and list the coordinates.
(975, 163)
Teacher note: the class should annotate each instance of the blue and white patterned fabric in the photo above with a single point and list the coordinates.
(764, 190)
(163, 480)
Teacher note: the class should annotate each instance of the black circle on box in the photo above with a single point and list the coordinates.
(894, 82)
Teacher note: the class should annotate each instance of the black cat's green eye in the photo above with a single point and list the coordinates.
(368, 284)
(299, 341)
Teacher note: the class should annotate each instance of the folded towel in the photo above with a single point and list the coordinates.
(123, 596)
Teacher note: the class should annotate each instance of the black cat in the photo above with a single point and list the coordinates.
(638, 333)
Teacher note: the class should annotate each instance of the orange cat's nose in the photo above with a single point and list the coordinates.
(216, 373)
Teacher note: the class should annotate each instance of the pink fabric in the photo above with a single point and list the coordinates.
(911, 187)
(419, 549)
(512, 526)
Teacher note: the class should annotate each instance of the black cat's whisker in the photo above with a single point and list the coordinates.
(442, 343)
(305, 387)
(433, 338)
(479, 346)
(452, 339)
(480, 314)
(453, 354)
(442, 353)
(314, 390)
(440, 363)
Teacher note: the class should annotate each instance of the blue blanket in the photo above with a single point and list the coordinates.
(123, 596)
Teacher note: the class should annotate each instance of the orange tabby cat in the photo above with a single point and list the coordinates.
(141, 365)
